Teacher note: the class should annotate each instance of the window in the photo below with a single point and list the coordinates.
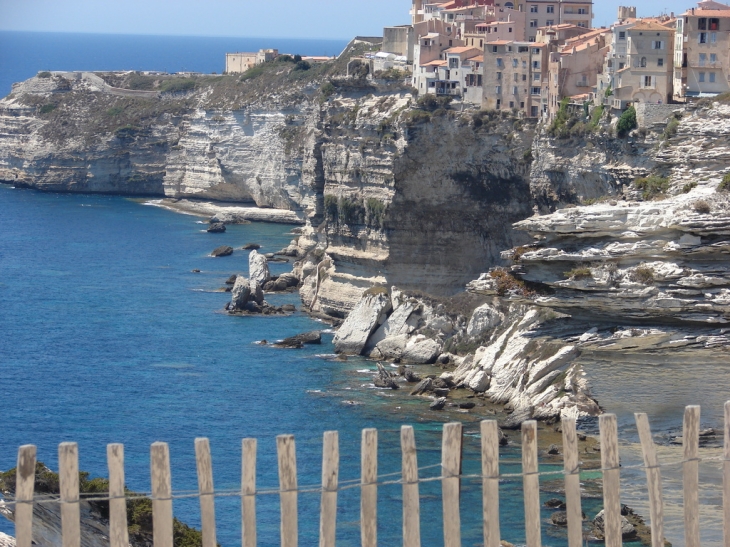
(701, 76)
(509, 29)
(536, 76)
(494, 49)
(703, 59)
(550, 22)
(522, 104)
(535, 90)
(533, 111)
(531, 39)
(712, 77)
(703, 38)
(702, 23)
(516, 76)
(523, 49)
(499, 90)
(514, 90)
(514, 63)
(660, 62)
(431, 84)
(551, 9)
(533, 9)
(524, 77)
(511, 104)
(714, 24)
(713, 37)
(536, 65)
(453, 62)
(582, 11)
(643, 62)
(533, 23)
(500, 64)
(499, 102)
(536, 51)
(481, 43)
(657, 44)
(524, 64)
(713, 58)
(647, 81)
(499, 75)
(621, 66)
(622, 35)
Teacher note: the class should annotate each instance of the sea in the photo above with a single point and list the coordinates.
(107, 335)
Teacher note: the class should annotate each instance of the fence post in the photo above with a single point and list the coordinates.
(286, 452)
(24, 489)
(205, 488)
(690, 475)
(330, 473)
(572, 483)
(653, 478)
(531, 483)
(411, 507)
(118, 533)
(611, 477)
(490, 482)
(161, 495)
(248, 492)
(68, 475)
(369, 488)
(726, 477)
(451, 471)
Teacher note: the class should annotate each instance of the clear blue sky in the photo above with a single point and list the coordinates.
(275, 18)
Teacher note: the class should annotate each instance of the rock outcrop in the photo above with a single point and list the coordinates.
(258, 268)
(369, 313)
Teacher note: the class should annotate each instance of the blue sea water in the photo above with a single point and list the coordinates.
(106, 335)
(24, 54)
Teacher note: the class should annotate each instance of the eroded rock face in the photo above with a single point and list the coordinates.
(241, 292)
(258, 268)
(368, 314)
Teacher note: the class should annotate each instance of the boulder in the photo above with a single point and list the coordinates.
(299, 340)
(553, 450)
(479, 381)
(216, 228)
(555, 503)
(559, 518)
(257, 293)
(514, 420)
(196, 270)
(485, 317)
(423, 387)
(392, 347)
(365, 317)
(599, 527)
(231, 280)
(240, 293)
(441, 391)
(385, 379)
(258, 268)
(401, 322)
(468, 405)
(288, 308)
(420, 349)
(438, 404)
(223, 250)
(410, 376)
(251, 247)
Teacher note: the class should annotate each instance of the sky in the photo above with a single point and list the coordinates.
(270, 18)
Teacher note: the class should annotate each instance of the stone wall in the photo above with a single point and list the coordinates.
(650, 114)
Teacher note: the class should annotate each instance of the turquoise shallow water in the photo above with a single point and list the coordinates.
(107, 336)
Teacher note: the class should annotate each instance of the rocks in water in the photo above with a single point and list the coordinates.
(240, 293)
(553, 450)
(231, 280)
(559, 518)
(282, 283)
(216, 228)
(365, 317)
(503, 440)
(438, 404)
(196, 271)
(423, 387)
(467, 405)
(223, 250)
(289, 308)
(556, 503)
(257, 294)
(385, 379)
(598, 529)
(441, 391)
(251, 247)
(410, 376)
(420, 349)
(258, 268)
(300, 340)
(514, 420)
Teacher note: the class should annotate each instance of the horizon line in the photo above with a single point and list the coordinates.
(175, 35)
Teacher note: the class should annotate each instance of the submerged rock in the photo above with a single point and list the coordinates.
(299, 340)
(216, 228)
(223, 250)
(251, 247)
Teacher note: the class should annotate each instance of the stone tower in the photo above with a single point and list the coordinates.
(416, 11)
(626, 12)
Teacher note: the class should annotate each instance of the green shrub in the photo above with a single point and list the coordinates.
(302, 65)
(327, 89)
(415, 117)
(626, 122)
(596, 116)
(506, 282)
(578, 273)
(725, 184)
(557, 128)
(652, 186)
(330, 207)
(47, 108)
(431, 102)
(375, 212)
(140, 81)
(177, 85)
(350, 211)
(285, 59)
(643, 274)
(44, 74)
(671, 129)
(527, 155)
(253, 72)
(115, 111)
(687, 188)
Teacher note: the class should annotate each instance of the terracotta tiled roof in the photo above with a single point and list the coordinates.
(435, 63)
(477, 59)
(460, 49)
(499, 42)
(648, 25)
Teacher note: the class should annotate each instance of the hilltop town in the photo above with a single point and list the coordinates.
(529, 56)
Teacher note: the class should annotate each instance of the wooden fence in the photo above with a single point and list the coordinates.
(451, 475)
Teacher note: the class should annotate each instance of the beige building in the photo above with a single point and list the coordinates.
(547, 13)
(648, 74)
(576, 66)
(513, 76)
(242, 61)
(702, 51)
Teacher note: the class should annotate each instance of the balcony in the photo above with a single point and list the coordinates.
(705, 64)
